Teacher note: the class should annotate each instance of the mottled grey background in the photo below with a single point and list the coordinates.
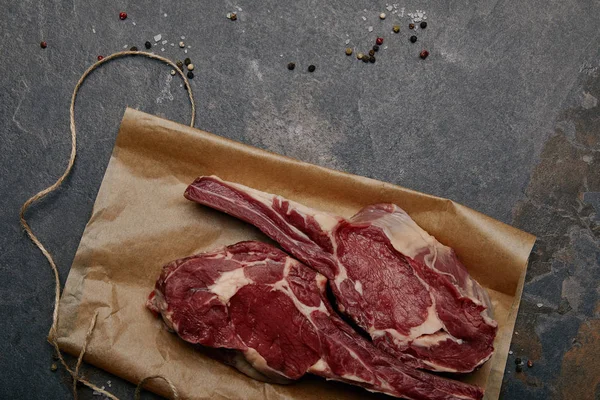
(502, 117)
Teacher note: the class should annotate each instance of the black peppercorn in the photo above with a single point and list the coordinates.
(190, 75)
(291, 66)
(187, 61)
(371, 52)
(179, 65)
(311, 68)
(518, 361)
(148, 45)
(519, 368)
(413, 39)
(365, 59)
(133, 48)
(423, 25)
(375, 47)
(372, 59)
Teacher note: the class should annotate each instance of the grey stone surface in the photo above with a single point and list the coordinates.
(502, 117)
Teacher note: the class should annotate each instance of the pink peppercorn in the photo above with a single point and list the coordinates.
(379, 41)
(424, 54)
(43, 45)
(123, 15)
(100, 58)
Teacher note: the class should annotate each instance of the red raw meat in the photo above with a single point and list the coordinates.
(409, 292)
(273, 311)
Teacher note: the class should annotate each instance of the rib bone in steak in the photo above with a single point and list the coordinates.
(273, 310)
(408, 291)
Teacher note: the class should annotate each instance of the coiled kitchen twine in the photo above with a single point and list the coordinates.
(43, 193)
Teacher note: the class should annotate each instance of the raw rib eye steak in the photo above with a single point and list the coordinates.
(272, 309)
(397, 282)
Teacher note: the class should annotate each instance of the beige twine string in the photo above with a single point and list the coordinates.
(40, 195)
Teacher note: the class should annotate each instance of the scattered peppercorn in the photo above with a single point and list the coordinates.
(173, 72)
(518, 361)
(233, 17)
(371, 52)
(291, 66)
(181, 44)
(190, 75)
(396, 28)
(382, 16)
(179, 65)
(148, 45)
(133, 48)
(187, 61)
(413, 38)
(43, 45)
(375, 47)
(100, 58)
(311, 68)
(372, 59)
(365, 59)
(411, 26)
(529, 363)
(53, 367)
(123, 15)
(423, 25)
(190, 67)
(348, 51)
(519, 368)
(379, 41)
(360, 56)
(424, 54)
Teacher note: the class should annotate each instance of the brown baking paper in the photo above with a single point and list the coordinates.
(141, 221)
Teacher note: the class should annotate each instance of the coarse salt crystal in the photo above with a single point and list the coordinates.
(183, 37)
(134, 23)
(364, 18)
(157, 38)
(540, 305)
(185, 51)
(389, 8)
(510, 352)
(347, 41)
(370, 29)
(162, 49)
(126, 46)
(164, 41)
(165, 14)
(93, 30)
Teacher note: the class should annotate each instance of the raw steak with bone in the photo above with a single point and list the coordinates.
(409, 292)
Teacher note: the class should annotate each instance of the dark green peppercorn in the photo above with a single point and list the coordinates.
(371, 52)
(375, 47)
(365, 59)
(518, 361)
(133, 48)
(291, 66)
(190, 75)
(148, 45)
(311, 68)
(413, 39)
(187, 61)
(519, 368)
(372, 59)
(423, 25)
(179, 65)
